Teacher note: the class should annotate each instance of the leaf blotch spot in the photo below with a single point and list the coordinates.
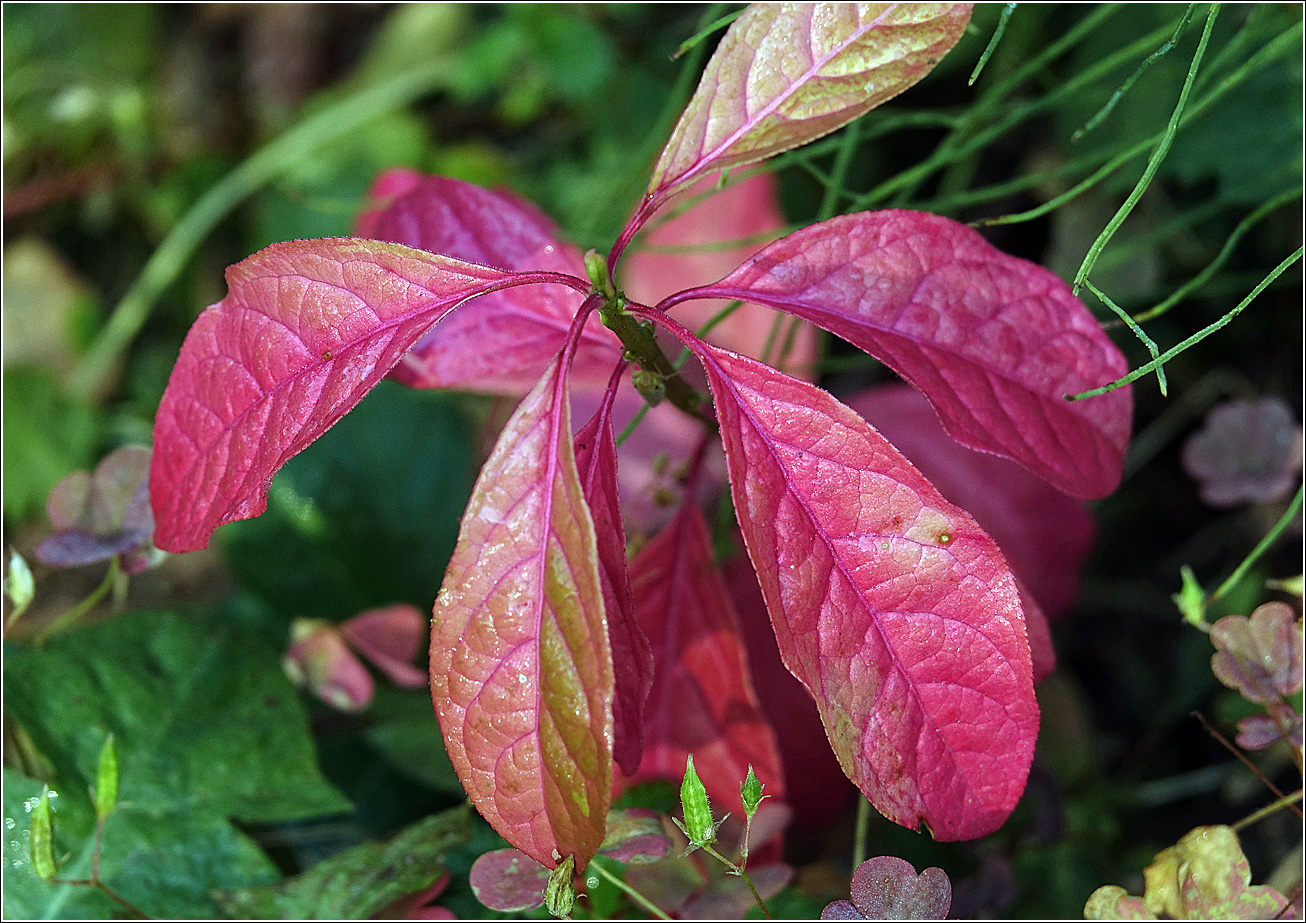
(326, 355)
(945, 537)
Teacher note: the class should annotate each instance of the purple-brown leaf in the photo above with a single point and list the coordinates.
(888, 888)
(521, 668)
(632, 657)
(307, 328)
(500, 343)
(788, 73)
(994, 342)
(889, 603)
(96, 516)
(1260, 656)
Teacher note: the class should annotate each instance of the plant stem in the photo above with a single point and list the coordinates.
(861, 830)
(1133, 326)
(707, 848)
(1153, 163)
(1195, 338)
(631, 892)
(271, 161)
(642, 347)
(1284, 801)
(1241, 570)
(75, 614)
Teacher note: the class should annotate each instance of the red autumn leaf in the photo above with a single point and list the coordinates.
(632, 658)
(500, 343)
(889, 603)
(521, 669)
(994, 342)
(702, 701)
(307, 328)
(788, 73)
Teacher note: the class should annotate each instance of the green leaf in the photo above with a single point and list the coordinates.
(45, 437)
(202, 715)
(367, 515)
(361, 882)
(41, 846)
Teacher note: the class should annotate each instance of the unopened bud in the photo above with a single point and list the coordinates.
(560, 892)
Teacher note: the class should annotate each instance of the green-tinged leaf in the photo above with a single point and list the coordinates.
(202, 716)
(19, 585)
(106, 780)
(361, 882)
(521, 664)
(560, 892)
(788, 73)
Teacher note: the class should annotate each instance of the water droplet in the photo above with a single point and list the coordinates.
(521, 678)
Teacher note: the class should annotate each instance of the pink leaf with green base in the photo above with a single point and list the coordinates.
(789, 73)
(307, 328)
(994, 342)
(521, 668)
(889, 603)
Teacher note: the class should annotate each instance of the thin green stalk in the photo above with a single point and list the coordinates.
(77, 612)
(631, 892)
(1007, 10)
(1137, 331)
(1274, 807)
(273, 160)
(707, 848)
(842, 158)
(1125, 87)
(703, 33)
(1154, 162)
(1198, 280)
(861, 831)
(1195, 338)
(1261, 547)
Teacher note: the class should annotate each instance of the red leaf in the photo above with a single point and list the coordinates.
(1044, 534)
(889, 603)
(308, 327)
(500, 343)
(632, 657)
(703, 701)
(788, 73)
(521, 669)
(993, 341)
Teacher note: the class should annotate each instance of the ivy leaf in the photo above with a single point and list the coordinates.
(788, 73)
(307, 328)
(503, 342)
(632, 657)
(703, 701)
(521, 668)
(888, 888)
(994, 342)
(889, 603)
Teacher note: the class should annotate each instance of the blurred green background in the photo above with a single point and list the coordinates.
(147, 147)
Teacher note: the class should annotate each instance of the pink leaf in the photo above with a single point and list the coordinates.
(788, 73)
(320, 661)
(1044, 534)
(521, 668)
(509, 881)
(635, 835)
(308, 327)
(703, 701)
(993, 341)
(632, 657)
(889, 603)
(500, 343)
(391, 639)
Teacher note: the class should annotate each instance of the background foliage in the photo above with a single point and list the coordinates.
(148, 147)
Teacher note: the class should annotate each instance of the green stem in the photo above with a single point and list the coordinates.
(1007, 10)
(1241, 570)
(271, 161)
(642, 347)
(1195, 338)
(1153, 162)
(631, 892)
(1287, 801)
(736, 870)
(1137, 330)
(861, 831)
(75, 614)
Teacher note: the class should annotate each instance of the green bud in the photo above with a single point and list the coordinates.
(750, 793)
(649, 384)
(41, 835)
(560, 893)
(698, 824)
(1191, 599)
(596, 267)
(106, 780)
(19, 585)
